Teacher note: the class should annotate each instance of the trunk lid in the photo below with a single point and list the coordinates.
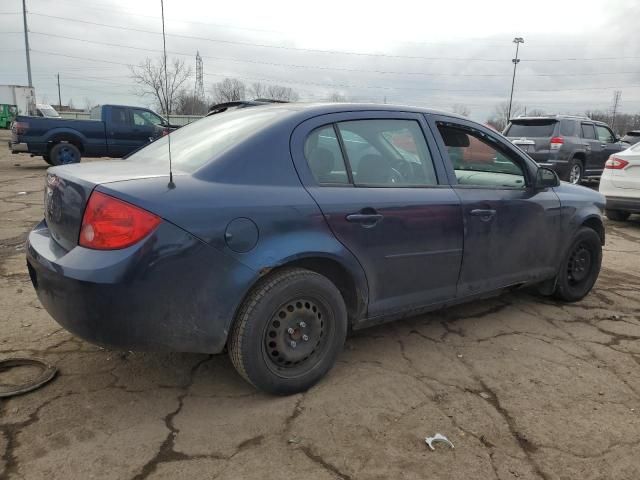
(67, 191)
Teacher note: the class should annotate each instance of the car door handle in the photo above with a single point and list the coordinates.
(484, 214)
(365, 219)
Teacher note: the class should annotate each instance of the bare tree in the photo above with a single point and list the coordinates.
(535, 112)
(150, 79)
(88, 104)
(499, 118)
(228, 90)
(337, 97)
(273, 92)
(461, 109)
(188, 103)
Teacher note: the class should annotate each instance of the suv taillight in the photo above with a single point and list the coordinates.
(615, 163)
(556, 143)
(20, 128)
(110, 224)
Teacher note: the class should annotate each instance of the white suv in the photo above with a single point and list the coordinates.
(620, 183)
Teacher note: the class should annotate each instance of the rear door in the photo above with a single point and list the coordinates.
(385, 196)
(118, 131)
(511, 230)
(594, 151)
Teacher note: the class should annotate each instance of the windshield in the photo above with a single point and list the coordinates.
(531, 129)
(195, 144)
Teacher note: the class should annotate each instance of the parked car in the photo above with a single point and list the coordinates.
(632, 137)
(620, 183)
(286, 225)
(575, 147)
(113, 131)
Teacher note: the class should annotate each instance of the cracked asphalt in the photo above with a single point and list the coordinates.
(524, 387)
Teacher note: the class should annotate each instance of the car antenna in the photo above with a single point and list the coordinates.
(171, 185)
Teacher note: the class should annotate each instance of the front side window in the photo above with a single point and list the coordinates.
(604, 134)
(480, 161)
(387, 153)
(323, 154)
(588, 131)
(119, 116)
(145, 118)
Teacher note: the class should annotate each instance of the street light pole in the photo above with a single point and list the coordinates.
(26, 40)
(517, 41)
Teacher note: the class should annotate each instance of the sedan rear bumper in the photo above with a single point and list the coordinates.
(626, 204)
(164, 293)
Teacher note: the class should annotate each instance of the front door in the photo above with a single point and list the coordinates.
(594, 161)
(511, 230)
(386, 198)
(608, 143)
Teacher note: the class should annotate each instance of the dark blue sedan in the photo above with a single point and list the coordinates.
(287, 225)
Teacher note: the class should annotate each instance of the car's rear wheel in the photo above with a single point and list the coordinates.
(289, 331)
(64, 153)
(617, 215)
(581, 266)
(575, 172)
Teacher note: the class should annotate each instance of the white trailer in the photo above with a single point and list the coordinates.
(22, 97)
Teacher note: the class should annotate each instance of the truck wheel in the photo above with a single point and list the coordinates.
(617, 215)
(288, 331)
(580, 267)
(47, 159)
(64, 153)
(576, 172)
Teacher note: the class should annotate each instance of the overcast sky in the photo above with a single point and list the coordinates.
(436, 54)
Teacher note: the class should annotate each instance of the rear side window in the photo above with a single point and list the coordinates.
(588, 131)
(387, 153)
(531, 128)
(568, 128)
(200, 142)
(324, 156)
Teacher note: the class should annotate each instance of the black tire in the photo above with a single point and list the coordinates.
(617, 215)
(575, 173)
(260, 343)
(580, 267)
(64, 153)
(47, 159)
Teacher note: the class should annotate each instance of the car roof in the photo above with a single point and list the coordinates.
(558, 117)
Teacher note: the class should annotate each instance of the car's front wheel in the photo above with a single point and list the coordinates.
(617, 215)
(289, 331)
(580, 267)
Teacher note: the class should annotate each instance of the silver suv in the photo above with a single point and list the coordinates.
(575, 147)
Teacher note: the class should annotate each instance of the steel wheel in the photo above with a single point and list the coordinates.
(296, 337)
(579, 265)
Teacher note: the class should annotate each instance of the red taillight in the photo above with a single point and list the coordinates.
(556, 143)
(615, 163)
(109, 223)
(20, 127)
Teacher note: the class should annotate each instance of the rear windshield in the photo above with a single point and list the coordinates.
(531, 129)
(196, 144)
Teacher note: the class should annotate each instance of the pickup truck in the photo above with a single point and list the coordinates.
(112, 131)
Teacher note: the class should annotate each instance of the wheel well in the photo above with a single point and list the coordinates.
(340, 277)
(595, 224)
(65, 138)
(579, 156)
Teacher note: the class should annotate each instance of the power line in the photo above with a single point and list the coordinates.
(314, 50)
(341, 69)
(342, 85)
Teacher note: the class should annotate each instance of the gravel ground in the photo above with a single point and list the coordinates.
(525, 388)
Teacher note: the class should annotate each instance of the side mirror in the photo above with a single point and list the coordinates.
(546, 178)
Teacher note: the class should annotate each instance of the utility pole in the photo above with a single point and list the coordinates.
(616, 101)
(26, 40)
(517, 41)
(59, 97)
